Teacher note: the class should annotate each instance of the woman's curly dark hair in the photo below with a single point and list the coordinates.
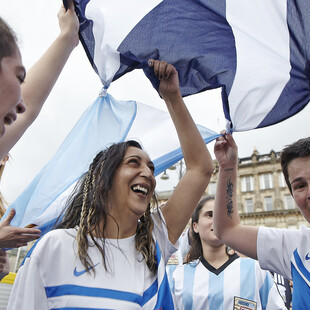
(88, 208)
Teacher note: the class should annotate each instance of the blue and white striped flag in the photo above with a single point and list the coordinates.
(257, 51)
(105, 122)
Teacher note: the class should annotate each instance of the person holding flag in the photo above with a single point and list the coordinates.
(284, 251)
(25, 95)
(111, 250)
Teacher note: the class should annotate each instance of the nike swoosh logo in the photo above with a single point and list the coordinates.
(307, 256)
(79, 273)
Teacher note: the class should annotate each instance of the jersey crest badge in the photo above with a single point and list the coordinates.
(244, 304)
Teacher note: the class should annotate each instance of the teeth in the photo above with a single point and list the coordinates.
(141, 189)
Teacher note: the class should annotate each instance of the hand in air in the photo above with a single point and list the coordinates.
(168, 76)
(226, 150)
(15, 237)
(69, 23)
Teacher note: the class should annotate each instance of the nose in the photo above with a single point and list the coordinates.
(148, 173)
(20, 108)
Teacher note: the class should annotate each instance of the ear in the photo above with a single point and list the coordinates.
(195, 227)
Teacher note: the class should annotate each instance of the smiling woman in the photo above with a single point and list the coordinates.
(38, 84)
(12, 75)
(111, 199)
(110, 250)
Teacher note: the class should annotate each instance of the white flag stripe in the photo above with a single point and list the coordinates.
(259, 67)
(106, 29)
(149, 124)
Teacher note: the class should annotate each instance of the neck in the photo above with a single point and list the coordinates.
(215, 256)
(120, 229)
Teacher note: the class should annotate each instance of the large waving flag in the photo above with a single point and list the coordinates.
(106, 121)
(257, 51)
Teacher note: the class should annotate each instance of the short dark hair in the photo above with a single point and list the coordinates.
(8, 40)
(298, 149)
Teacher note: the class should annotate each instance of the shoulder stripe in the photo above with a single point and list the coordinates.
(301, 266)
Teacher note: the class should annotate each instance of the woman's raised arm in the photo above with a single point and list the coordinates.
(199, 165)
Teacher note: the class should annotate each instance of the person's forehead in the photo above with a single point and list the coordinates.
(208, 206)
(15, 61)
(134, 151)
(299, 167)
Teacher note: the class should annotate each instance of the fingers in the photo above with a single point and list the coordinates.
(65, 6)
(231, 141)
(69, 4)
(18, 241)
(226, 137)
(28, 231)
(9, 218)
(27, 238)
(162, 69)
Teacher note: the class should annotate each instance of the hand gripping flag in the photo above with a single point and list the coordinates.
(257, 51)
(106, 121)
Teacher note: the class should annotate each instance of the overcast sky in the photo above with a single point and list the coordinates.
(36, 25)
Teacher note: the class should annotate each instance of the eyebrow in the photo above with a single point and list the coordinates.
(208, 212)
(137, 156)
(297, 180)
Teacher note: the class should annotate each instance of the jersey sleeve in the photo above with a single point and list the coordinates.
(275, 248)
(28, 291)
(161, 234)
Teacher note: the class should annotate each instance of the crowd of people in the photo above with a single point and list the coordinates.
(110, 247)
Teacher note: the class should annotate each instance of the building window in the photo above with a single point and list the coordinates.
(289, 202)
(268, 204)
(282, 182)
(265, 181)
(249, 206)
(247, 184)
(212, 189)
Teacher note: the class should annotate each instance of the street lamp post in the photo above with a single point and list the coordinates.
(179, 167)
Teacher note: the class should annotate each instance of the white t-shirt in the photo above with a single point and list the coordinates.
(287, 252)
(53, 277)
(239, 284)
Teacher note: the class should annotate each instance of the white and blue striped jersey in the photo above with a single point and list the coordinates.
(239, 284)
(287, 252)
(53, 277)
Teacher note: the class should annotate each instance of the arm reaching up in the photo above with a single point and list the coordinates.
(226, 220)
(199, 165)
(42, 77)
